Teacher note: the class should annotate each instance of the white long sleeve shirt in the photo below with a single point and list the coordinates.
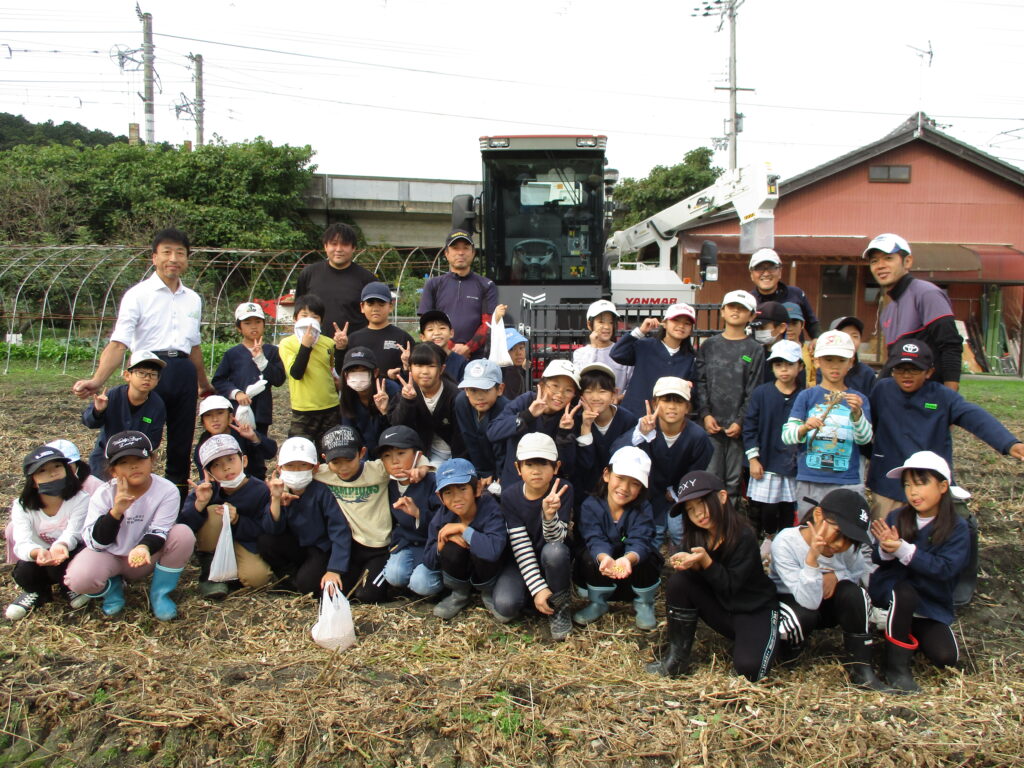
(792, 575)
(33, 528)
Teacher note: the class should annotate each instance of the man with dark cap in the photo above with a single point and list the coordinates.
(467, 298)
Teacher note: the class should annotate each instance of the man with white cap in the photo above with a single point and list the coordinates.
(916, 309)
(766, 274)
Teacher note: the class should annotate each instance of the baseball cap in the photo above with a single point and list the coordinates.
(561, 368)
(770, 312)
(342, 442)
(297, 449)
(454, 472)
(141, 356)
(362, 357)
(399, 437)
(128, 443)
(887, 243)
(630, 461)
(513, 337)
(247, 310)
(680, 309)
(37, 457)
(849, 510)
(599, 306)
(762, 256)
(694, 485)
(834, 343)
(743, 298)
(69, 449)
(794, 311)
(536, 445)
(214, 403)
(595, 366)
(915, 352)
(434, 316)
(672, 385)
(378, 291)
(458, 234)
(842, 322)
(934, 462)
(215, 447)
(481, 374)
(786, 350)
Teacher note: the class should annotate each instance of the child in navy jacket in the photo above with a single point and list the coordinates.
(365, 395)
(477, 405)
(216, 418)
(920, 550)
(246, 363)
(132, 406)
(668, 354)
(601, 425)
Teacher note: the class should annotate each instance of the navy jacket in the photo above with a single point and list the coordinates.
(454, 365)
(790, 293)
(251, 501)
(905, 424)
(488, 456)
(408, 532)
(118, 417)
(933, 571)
(237, 371)
(592, 459)
(257, 453)
(651, 360)
(516, 420)
(762, 429)
(369, 421)
(315, 520)
(691, 450)
(488, 537)
(633, 532)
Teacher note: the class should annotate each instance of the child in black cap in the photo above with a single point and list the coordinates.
(718, 578)
(365, 394)
(817, 569)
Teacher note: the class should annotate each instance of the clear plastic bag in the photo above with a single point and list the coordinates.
(499, 345)
(224, 566)
(334, 629)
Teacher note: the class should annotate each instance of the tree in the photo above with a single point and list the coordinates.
(246, 195)
(636, 199)
(16, 130)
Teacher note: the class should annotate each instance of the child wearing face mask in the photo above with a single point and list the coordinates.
(365, 395)
(47, 520)
(308, 357)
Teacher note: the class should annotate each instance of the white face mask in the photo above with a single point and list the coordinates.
(763, 337)
(297, 480)
(307, 322)
(358, 380)
(232, 484)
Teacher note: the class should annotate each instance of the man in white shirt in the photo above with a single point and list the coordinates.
(162, 316)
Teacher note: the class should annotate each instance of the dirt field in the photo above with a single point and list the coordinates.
(241, 683)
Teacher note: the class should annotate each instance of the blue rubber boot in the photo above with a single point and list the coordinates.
(597, 607)
(113, 596)
(163, 583)
(643, 605)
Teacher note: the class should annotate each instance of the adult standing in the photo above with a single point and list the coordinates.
(337, 280)
(766, 275)
(467, 298)
(162, 316)
(916, 309)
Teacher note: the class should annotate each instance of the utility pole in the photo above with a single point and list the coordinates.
(199, 108)
(147, 72)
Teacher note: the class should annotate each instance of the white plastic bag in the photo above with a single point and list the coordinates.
(244, 414)
(334, 629)
(224, 566)
(499, 344)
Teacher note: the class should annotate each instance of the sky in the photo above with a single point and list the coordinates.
(405, 87)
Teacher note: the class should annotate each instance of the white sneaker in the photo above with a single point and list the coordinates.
(76, 600)
(21, 607)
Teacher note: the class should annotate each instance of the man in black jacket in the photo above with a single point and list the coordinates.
(337, 280)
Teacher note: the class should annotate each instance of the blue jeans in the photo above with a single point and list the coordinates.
(401, 571)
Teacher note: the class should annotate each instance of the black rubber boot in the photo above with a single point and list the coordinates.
(858, 662)
(682, 626)
(898, 658)
(211, 590)
(967, 581)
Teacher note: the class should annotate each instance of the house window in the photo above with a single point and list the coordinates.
(899, 174)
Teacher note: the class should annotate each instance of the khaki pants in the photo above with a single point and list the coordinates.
(252, 571)
(881, 506)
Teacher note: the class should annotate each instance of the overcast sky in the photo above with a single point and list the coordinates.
(405, 87)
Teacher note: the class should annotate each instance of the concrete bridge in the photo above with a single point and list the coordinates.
(399, 212)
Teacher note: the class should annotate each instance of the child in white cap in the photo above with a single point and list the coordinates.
(602, 322)
(216, 417)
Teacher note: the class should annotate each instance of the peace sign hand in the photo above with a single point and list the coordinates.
(650, 421)
(122, 500)
(540, 403)
(408, 389)
(245, 430)
(381, 399)
(568, 420)
(553, 501)
(406, 354)
(203, 491)
(257, 348)
(340, 336)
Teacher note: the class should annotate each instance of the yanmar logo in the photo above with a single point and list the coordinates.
(649, 300)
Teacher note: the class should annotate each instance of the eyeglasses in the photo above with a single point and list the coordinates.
(765, 270)
(143, 374)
